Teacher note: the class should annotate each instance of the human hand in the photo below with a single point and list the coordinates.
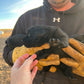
(21, 72)
(77, 63)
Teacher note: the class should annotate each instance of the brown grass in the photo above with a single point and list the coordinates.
(4, 68)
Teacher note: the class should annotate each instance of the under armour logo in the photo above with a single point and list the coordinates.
(56, 19)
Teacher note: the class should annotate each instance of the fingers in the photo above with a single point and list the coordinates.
(20, 60)
(77, 44)
(69, 62)
(44, 62)
(40, 68)
(34, 72)
(74, 54)
(79, 71)
(45, 46)
(52, 59)
(28, 62)
(33, 64)
(52, 69)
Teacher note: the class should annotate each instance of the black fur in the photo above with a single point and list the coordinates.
(16, 40)
(39, 35)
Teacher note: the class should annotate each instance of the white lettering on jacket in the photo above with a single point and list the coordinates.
(56, 19)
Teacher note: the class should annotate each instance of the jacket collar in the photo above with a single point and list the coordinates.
(77, 8)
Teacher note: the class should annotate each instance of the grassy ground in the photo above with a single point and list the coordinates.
(4, 68)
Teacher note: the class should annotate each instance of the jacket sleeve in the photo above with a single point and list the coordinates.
(18, 29)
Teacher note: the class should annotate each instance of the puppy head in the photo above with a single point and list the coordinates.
(59, 39)
(37, 36)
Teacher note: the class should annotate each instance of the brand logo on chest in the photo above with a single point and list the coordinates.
(56, 19)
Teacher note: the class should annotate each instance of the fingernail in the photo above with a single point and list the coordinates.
(26, 55)
(36, 67)
(36, 61)
(34, 56)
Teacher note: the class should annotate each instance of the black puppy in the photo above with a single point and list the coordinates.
(39, 35)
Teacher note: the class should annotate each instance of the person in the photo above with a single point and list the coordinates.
(21, 72)
(68, 15)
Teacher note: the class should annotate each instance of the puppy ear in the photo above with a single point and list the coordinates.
(16, 40)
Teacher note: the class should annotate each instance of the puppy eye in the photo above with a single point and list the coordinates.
(52, 40)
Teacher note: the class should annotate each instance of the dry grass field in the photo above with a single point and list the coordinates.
(4, 68)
